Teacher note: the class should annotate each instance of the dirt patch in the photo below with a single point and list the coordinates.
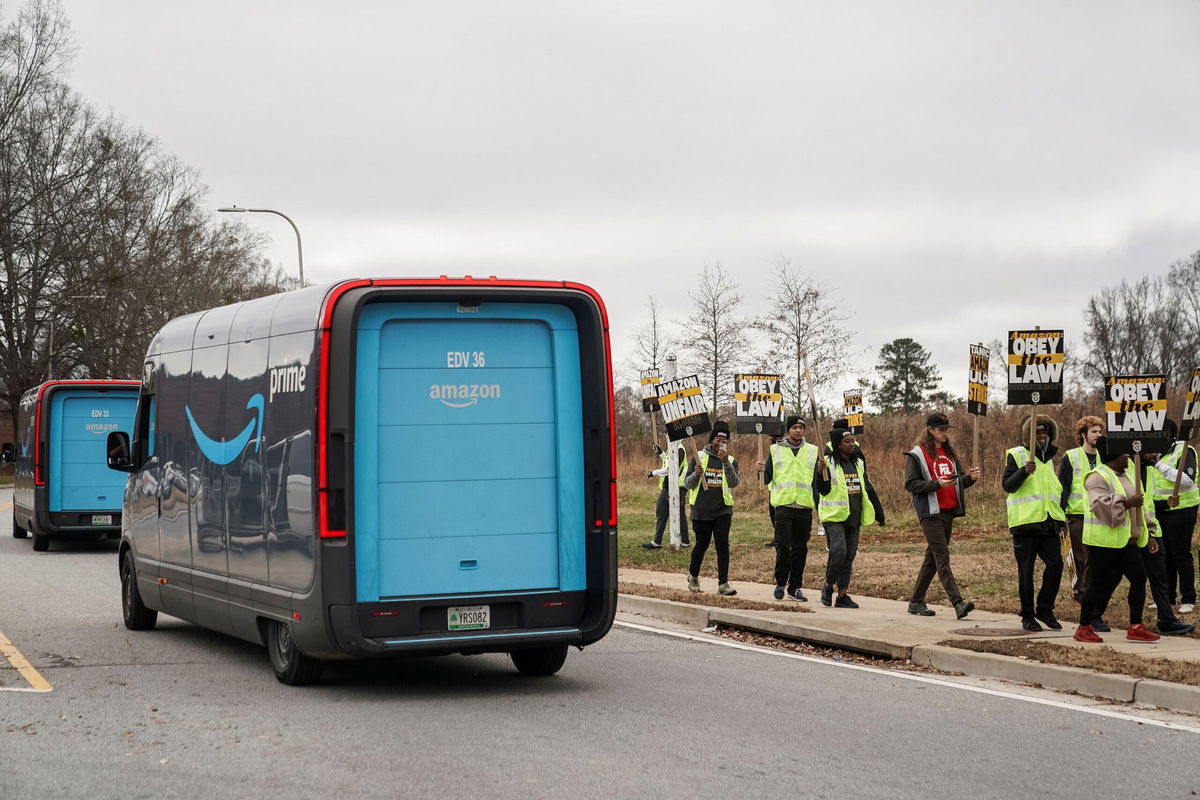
(833, 654)
(706, 599)
(1099, 659)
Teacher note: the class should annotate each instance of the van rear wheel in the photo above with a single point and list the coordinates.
(539, 660)
(287, 662)
(137, 617)
(41, 542)
(18, 531)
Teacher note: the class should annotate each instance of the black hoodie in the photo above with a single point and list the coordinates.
(1015, 474)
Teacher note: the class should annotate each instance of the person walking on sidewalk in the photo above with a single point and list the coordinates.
(1178, 519)
(1113, 545)
(712, 506)
(795, 476)
(844, 513)
(1035, 516)
(1076, 463)
(662, 508)
(938, 483)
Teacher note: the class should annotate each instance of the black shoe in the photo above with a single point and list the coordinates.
(1030, 624)
(920, 609)
(1100, 626)
(962, 608)
(845, 601)
(1174, 627)
(652, 546)
(771, 544)
(1049, 620)
(827, 595)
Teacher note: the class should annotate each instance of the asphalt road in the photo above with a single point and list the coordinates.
(183, 713)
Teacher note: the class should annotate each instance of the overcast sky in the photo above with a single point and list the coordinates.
(952, 169)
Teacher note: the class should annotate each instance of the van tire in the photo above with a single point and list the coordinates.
(18, 531)
(41, 543)
(539, 660)
(134, 612)
(290, 666)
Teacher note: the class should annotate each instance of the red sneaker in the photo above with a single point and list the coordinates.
(1085, 634)
(1138, 633)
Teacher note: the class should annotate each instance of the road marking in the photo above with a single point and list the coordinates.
(6, 507)
(909, 676)
(34, 678)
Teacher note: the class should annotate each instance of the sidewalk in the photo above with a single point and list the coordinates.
(885, 628)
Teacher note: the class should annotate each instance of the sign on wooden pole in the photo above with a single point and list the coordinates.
(977, 392)
(852, 410)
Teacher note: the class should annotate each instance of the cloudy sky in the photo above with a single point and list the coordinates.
(951, 169)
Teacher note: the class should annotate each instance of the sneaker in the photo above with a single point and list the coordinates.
(797, 595)
(1100, 626)
(1138, 633)
(1187, 608)
(726, 589)
(827, 595)
(920, 609)
(1085, 633)
(845, 601)
(771, 544)
(685, 544)
(652, 546)
(1030, 624)
(962, 608)
(693, 584)
(1152, 606)
(1174, 627)
(778, 593)
(1048, 619)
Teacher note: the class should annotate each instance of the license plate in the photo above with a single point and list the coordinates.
(468, 618)
(102, 519)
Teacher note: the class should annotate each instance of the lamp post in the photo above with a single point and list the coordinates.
(50, 343)
(299, 246)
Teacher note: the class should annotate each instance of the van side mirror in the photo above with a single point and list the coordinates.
(7, 453)
(118, 452)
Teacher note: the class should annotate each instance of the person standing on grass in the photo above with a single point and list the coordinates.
(1113, 545)
(1076, 463)
(796, 476)
(1035, 516)
(662, 508)
(1177, 515)
(938, 483)
(844, 514)
(712, 506)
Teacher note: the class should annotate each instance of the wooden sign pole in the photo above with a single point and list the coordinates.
(1179, 467)
(1033, 422)
(975, 435)
(1137, 488)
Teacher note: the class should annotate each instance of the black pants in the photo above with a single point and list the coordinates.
(1156, 572)
(1028, 548)
(793, 528)
(662, 515)
(843, 547)
(1177, 527)
(1106, 565)
(707, 531)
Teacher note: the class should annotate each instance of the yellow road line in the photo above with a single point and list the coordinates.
(6, 507)
(34, 678)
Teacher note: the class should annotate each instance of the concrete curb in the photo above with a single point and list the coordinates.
(685, 613)
(1176, 696)
(798, 630)
(993, 665)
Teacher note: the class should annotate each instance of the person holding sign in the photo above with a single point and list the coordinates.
(1177, 515)
(712, 506)
(1035, 516)
(938, 483)
(1156, 473)
(1113, 545)
(796, 476)
(1076, 463)
(843, 514)
(662, 508)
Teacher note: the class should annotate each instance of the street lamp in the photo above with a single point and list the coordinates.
(299, 246)
(50, 343)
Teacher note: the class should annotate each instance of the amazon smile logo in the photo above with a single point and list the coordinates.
(225, 452)
(463, 395)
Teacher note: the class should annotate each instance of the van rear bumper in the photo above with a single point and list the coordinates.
(59, 523)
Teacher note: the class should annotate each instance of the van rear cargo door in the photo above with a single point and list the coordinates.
(468, 450)
(80, 421)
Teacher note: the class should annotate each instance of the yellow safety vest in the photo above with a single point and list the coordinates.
(725, 491)
(1096, 533)
(835, 505)
(666, 464)
(1038, 497)
(1077, 499)
(792, 475)
(1163, 489)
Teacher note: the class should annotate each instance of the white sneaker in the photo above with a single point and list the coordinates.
(1152, 606)
(1187, 608)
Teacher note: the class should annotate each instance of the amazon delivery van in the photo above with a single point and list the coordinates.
(62, 486)
(378, 467)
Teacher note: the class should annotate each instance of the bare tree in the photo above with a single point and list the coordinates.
(652, 343)
(714, 337)
(1134, 327)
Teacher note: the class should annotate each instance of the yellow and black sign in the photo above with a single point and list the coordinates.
(683, 409)
(1035, 367)
(1191, 407)
(852, 408)
(1135, 410)
(650, 379)
(977, 380)
(758, 404)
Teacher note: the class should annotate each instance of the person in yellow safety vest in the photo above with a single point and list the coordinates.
(710, 480)
(843, 513)
(796, 475)
(1113, 544)
(1035, 518)
(1076, 463)
(1178, 520)
(662, 507)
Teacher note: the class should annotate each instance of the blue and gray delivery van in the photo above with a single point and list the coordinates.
(378, 467)
(62, 485)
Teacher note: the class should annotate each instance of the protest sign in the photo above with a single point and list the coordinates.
(977, 380)
(650, 379)
(1035, 367)
(852, 408)
(1191, 407)
(758, 404)
(682, 404)
(1135, 410)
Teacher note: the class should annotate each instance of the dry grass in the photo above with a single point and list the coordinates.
(1098, 659)
(705, 598)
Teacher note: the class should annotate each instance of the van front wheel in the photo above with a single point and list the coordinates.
(287, 662)
(18, 531)
(539, 660)
(134, 612)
